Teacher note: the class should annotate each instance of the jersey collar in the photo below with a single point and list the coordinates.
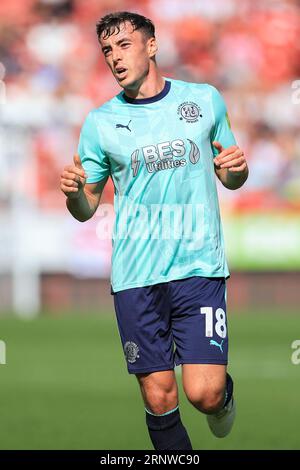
(151, 99)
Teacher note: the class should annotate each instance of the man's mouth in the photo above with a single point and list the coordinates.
(120, 72)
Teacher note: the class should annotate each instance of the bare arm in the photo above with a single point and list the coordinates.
(230, 166)
(85, 205)
(82, 198)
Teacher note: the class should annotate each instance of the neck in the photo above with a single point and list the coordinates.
(152, 84)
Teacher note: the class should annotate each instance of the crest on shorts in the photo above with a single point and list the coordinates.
(189, 111)
(131, 351)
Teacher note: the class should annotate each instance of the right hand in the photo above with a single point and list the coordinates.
(73, 179)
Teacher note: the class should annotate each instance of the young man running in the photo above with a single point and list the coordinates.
(162, 141)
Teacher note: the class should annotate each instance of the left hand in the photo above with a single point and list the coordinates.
(231, 158)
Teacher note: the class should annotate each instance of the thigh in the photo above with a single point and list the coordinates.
(199, 322)
(143, 316)
(203, 377)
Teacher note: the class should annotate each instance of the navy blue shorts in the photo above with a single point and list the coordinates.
(171, 323)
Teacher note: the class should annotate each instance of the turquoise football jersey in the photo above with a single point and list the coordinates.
(158, 152)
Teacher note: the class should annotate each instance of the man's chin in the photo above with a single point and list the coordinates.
(127, 83)
(123, 80)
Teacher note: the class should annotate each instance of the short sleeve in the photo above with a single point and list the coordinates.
(221, 131)
(94, 161)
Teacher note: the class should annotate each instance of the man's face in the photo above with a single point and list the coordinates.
(127, 54)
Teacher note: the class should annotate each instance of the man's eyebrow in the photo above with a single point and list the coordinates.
(123, 39)
(118, 43)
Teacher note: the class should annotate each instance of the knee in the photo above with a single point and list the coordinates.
(161, 401)
(207, 399)
(160, 398)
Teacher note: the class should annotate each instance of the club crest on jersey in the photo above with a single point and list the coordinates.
(165, 156)
(189, 111)
(131, 351)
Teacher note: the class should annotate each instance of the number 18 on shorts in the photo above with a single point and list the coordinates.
(177, 322)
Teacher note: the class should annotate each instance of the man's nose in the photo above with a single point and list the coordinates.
(116, 56)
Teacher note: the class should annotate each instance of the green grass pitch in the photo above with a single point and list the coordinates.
(66, 386)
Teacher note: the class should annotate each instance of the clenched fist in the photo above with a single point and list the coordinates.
(73, 179)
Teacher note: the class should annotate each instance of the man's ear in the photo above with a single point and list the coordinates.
(152, 47)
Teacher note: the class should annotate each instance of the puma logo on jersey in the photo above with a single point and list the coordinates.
(118, 126)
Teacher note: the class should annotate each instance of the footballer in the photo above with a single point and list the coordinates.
(163, 142)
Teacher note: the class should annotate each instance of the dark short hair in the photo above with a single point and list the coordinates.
(111, 23)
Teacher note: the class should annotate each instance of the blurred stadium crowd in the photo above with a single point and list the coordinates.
(53, 74)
